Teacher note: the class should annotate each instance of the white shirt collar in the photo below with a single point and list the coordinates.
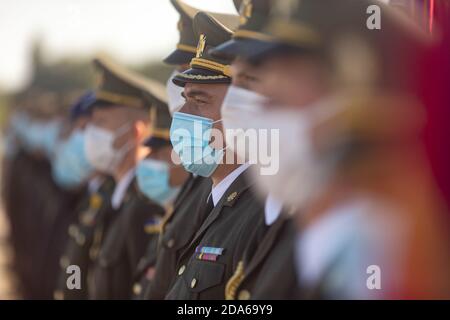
(218, 191)
(272, 209)
(121, 188)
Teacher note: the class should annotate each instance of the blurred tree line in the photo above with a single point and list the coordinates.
(68, 77)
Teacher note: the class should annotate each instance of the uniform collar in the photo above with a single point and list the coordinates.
(121, 188)
(219, 190)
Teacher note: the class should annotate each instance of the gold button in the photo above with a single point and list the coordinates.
(181, 270)
(170, 243)
(244, 295)
(80, 239)
(193, 283)
(64, 262)
(137, 289)
(58, 295)
(93, 253)
(73, 230)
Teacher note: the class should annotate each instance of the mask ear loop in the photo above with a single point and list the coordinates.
(226, 147)
(122, 130)
(123, 150)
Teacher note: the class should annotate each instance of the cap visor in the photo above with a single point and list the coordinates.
(250, 49)
(179, 57)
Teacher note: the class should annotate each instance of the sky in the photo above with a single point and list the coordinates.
(132, 31)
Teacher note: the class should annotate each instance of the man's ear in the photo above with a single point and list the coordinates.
(141, 129)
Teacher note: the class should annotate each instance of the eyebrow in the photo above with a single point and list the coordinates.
(195, 93)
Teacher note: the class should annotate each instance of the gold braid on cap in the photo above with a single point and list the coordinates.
(158, 132)
(201, 77)
(211, 65)
(234, 282)
(119, 99)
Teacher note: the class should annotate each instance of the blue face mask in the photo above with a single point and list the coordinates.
(50, 136)
(153, 180)
(70, 167)
(190, 136)
(42, 136)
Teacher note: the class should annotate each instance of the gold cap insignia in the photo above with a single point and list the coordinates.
(245, 11)
(201, 46)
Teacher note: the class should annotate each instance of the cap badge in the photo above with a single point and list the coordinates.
(201, 46)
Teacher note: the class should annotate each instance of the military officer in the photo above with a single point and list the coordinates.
(268, 271)
(159, 180)
(42, 206)
(29, 172)
(120, 123)
(212, 255)
(90, 211)
(187, 214)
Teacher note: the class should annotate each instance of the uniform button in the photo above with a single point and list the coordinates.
(170, 243)
(137, 289)
(193, 283)
(73, 230)
(81, 239)
(244, 295)
(58, 295)
(64, 262)
(181, 270)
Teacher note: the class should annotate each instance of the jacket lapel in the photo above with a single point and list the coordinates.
(229, 198)
(267, 244)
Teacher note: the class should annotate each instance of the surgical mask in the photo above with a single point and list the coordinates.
(42, 136)
(239, 109)
(153, 181)
(99, 148)
(301, 172)
(19, 123)
(190, 136)
(50, 136)
(70, 167)
(175, 99)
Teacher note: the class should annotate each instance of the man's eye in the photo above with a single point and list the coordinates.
(200, 101)
(251, 79)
